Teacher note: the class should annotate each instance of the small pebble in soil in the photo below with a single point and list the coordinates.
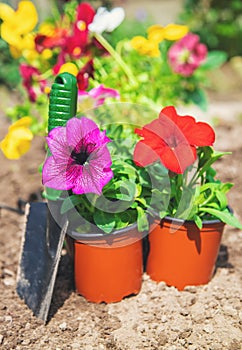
(208, 328)
(8, 281)
(63, 326)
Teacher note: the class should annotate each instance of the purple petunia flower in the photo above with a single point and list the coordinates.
(80, 160)
(187, 54)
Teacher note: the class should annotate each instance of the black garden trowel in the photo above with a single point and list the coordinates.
(43, 238)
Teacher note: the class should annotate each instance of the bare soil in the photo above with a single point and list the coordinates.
(159, 317)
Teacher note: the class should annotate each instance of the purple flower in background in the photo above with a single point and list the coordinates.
(80, 160)
(96, 96)
(186, 55)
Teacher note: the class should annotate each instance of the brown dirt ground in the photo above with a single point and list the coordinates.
(159, 317)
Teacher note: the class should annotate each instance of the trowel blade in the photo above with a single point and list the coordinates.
(39, 259)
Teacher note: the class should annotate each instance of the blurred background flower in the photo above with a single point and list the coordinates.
(113, 57)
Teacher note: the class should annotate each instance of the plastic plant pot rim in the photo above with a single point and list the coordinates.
(119, 232)
(182, 221)
(99, 235)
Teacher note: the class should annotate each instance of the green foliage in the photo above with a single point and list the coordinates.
(218, 23)
(139, 79)
(9, 68)
(128, 196)
(198, 196)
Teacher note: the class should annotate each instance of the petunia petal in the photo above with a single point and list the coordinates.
(54, 175)
(144, 155)
(77, 129)
(186, 128)
(100, 93)
(202, 134)
(95, 174)
(178, 159)
(169, 112)
(65, 169)
(57, 143)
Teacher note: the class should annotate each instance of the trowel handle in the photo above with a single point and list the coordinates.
(63, 100)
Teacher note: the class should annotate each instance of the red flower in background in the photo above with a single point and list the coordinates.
(73, 41)
(77, 43)
(32, 81)
(84, 74)
(172, 139)
(57, 39)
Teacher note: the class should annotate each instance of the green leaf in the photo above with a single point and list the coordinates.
(186, 207)
(198, 221)
(204, 154)
(215, 59)
(120, 167)
(70, 202)
(105, 221)
(224, 216)
(52, 194)
(142, 220)
(213, 158)
(223, 202)
(162, 214)
(124, 219)
(198, 97)
(160, 199)
(226, 187)
(124, 190)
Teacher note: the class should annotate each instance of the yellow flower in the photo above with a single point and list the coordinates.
(27, 45)
(69, 68)
(17, 24)
(170, 32)
(17, 141)
(47, 29)
(157, 34)
(145, 46)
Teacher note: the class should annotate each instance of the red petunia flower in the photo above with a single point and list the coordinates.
(172, 139)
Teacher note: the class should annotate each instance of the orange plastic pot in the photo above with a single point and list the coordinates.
(180, 254)
(108, 267)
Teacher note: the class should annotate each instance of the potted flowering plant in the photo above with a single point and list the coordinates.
(93, 183)
(184, 246)
(163, 65)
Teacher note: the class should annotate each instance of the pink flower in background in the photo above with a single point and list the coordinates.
(187, 54)
(32, 81)
(80, 160)
(97, 96)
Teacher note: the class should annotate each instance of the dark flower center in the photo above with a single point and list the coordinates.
(172, 142)
(81, 157)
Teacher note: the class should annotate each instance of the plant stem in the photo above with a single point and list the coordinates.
(117, 58)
